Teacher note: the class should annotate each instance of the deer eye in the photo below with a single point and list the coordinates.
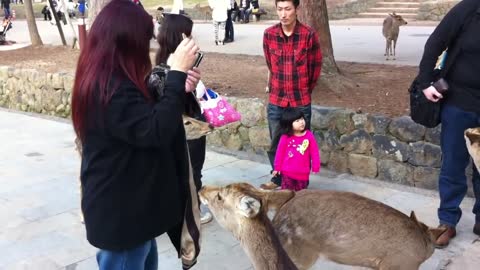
(187, 123)
(219, 197)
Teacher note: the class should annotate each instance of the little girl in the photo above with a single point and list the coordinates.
(297, 151)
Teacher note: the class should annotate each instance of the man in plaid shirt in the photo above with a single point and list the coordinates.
(294, 60)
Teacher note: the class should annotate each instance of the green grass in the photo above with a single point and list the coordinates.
(20, 10)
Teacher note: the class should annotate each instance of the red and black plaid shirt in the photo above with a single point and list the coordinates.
(294, 63)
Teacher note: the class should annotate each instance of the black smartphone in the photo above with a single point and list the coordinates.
(198, 60)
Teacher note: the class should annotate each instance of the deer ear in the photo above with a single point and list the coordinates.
(413, 217)
(276, 199)
(248, 206)
(434, 233)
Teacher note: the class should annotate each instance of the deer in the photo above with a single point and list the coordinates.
(343, 227)
(194, 129)
(391, 29)
(472, 139)
(242, 210)
(207, 10)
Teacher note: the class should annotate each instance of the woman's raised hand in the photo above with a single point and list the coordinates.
(185, 55)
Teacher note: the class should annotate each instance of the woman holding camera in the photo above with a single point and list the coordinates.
(135, 167)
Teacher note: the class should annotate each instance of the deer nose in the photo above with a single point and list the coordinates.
(210, 126)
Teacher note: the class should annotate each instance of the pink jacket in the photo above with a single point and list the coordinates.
(296, 155)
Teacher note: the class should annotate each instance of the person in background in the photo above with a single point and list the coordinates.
(294, 60)
(245, 11)
(6, 8)
(458, 31)
(135, 165)
(168, 38)
(229, 33)
(219, 17)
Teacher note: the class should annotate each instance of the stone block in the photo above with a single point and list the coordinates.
(386, 147)
(359, 141)
(406, 130)
(68, 81)
(4, 73)
(259, 137)
(328, 140)
(432, 135)
(360, 120)
(425, 154)
(338, 162)
(322, 116)
(377, 124)
(343, 121)
(395, 172)
(361, 165)
(426, 177)
(233, 142)
(215, 138)
(253, 111)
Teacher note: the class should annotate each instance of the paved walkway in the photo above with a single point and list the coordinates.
(354, 40)
(39, 204)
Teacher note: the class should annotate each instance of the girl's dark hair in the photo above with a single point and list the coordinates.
(112, 49)
(170, 35)
(289, 116)
(296, 3)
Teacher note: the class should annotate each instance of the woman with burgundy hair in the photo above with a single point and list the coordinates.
(135, 165)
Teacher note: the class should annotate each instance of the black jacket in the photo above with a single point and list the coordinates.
(135, 168)
(459, 31)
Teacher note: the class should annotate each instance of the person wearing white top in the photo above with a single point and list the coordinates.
(177, 7)
(219, 17)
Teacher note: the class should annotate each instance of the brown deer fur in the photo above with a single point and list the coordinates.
(472, 139)
(350, 229)
(390, 30)
(241, 209)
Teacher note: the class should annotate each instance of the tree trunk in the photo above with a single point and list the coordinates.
(32, 24)
(94, 7)
(57, 21)
(69, 22)
(314, 13)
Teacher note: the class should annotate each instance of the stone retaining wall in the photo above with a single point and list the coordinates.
(375, 146)
(338, 10)
(435, 10)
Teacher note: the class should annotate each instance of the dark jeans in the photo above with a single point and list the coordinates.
(274, 114)
(245, 15)
(143, 257)
(229, 26)
(7, 12)
(453, 181)
(197, 149)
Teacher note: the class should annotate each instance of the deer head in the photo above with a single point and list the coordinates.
(433, 233)
(397, 19)
(194, 128)
(472, 139)
(235, 204)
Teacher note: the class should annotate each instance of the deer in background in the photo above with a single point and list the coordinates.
(391, 29)
(206, 10)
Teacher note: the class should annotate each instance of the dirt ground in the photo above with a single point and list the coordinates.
(378, 88)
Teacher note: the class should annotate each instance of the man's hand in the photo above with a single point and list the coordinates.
(193, 77)
(275, 173)
(267, 89)
(432, 94)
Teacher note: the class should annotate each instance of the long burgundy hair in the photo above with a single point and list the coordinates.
(117, 45)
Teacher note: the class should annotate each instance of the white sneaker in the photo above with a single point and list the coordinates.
(205, 217)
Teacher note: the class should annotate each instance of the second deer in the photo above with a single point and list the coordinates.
(340, 226)
(391, 29)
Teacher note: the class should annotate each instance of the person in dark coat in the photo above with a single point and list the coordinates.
(458, 33)
(135, 169)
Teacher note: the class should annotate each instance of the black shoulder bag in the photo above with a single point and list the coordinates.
(422, 110)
